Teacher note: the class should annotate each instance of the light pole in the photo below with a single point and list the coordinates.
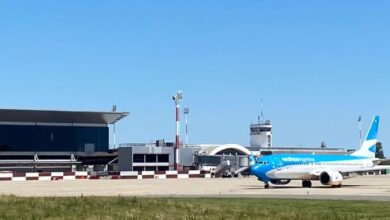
(360, 129)
(114, 127)
(186, 112)
(177, 99)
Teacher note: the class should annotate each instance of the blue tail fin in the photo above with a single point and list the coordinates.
(373, 132)
(252, 160)
(368, 147)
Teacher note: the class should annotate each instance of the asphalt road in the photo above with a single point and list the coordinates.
(360, 188)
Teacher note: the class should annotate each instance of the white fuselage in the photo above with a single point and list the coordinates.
(306, 170)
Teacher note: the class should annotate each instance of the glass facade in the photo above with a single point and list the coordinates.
(260, 129)
(151, 158)
(53, 138)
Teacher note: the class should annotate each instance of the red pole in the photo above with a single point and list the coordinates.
(177, 99)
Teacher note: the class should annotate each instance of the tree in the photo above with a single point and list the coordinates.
(379, 151)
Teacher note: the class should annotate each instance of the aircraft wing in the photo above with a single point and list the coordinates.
(314, 174)
(375, 168)
(378, 161)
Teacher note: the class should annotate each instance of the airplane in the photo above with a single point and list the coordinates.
(330, 170)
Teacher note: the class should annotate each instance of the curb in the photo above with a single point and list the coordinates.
(124, 175)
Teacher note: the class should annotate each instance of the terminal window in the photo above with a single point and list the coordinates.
(151, 158)
(52, 138)
(138, 158)
(163, 158)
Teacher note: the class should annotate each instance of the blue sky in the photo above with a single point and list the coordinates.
(317, 65)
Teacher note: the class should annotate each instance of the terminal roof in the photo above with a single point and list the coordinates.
(55, 116)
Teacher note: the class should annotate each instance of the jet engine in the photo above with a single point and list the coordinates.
(331, 178)
(280, 182)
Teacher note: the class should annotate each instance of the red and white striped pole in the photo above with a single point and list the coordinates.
(177, 99)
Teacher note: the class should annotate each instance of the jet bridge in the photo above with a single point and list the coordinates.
(33, 162)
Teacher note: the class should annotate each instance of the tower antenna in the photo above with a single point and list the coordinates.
(261, 113)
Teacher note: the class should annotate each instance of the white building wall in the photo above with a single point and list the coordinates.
(262, 139)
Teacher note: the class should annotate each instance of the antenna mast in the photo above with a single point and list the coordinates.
(261, 113)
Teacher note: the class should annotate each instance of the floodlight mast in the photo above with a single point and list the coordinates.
(177, 99)
(360, 130)
(114, 126)
(186, 112)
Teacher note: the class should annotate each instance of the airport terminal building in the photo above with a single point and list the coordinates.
(43, 139)
(55, 131)
(48, 140)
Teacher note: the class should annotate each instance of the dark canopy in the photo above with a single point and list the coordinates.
(54, 116)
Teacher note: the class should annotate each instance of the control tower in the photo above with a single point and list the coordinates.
(261, 132)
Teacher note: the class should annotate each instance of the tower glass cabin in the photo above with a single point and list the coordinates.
(261, 134)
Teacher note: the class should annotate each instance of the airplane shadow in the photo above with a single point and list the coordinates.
(272, 187)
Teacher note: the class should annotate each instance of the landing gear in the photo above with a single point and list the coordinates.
(306, 183)
(336, 186)
(266, 186)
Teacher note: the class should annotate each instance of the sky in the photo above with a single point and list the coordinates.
(317, 65)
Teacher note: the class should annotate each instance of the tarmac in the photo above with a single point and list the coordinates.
(375, 188)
